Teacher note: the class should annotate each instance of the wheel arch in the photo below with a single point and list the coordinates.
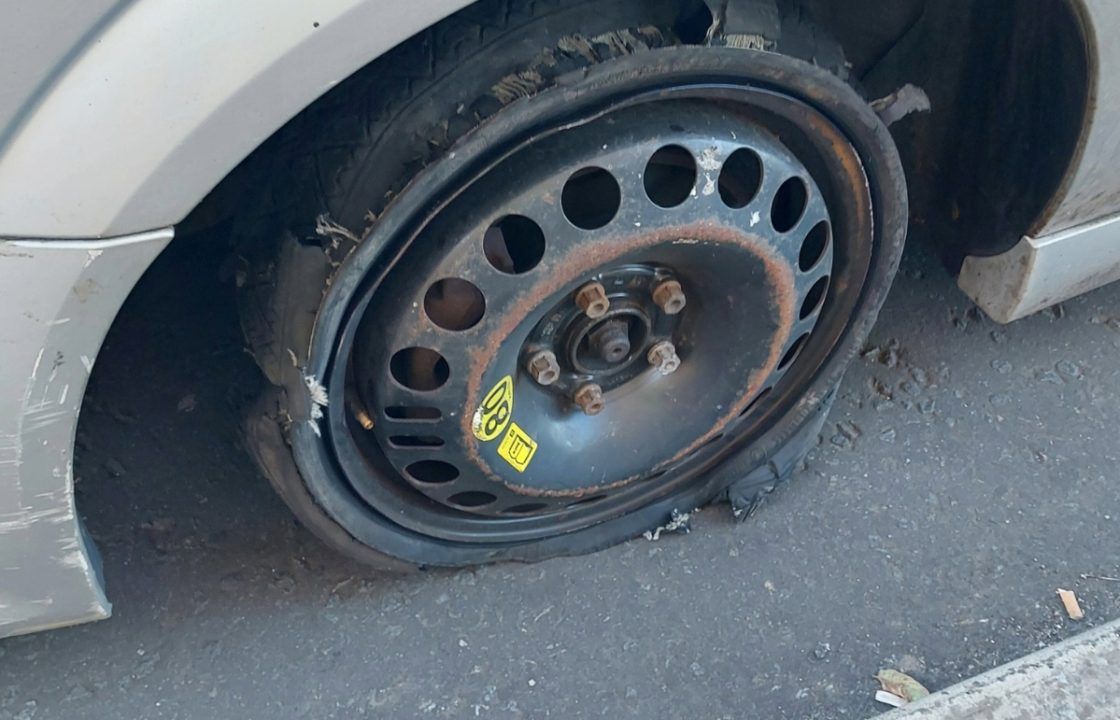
(139, 150)
(1016, 90)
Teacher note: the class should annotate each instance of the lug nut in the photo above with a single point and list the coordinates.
(543, 368)
(592, 300)
(589, 397)
(669, 297)
(663, 356)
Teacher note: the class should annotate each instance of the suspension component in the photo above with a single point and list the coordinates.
(611, 341)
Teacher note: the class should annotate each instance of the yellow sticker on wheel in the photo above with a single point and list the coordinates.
(517, 448)
(492, 417)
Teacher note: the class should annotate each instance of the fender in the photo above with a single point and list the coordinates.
(1091, 189)
(122, 120)
(164, 98)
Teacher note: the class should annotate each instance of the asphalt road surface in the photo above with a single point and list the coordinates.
(967, 472)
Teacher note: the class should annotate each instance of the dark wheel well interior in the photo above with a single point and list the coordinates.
(1010, 85)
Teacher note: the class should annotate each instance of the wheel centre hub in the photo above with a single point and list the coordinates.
(610, 342)
(608, 350)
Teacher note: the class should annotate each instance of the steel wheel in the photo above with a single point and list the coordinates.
(553, 336)
(586, 322)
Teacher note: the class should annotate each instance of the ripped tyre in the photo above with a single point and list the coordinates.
(552, 272)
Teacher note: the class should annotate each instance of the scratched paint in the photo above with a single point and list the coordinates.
(68, 296)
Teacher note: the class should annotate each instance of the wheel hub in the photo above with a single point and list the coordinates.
(594, 313)
(610, 342)
(608, 350)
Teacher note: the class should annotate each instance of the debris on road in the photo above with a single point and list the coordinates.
(1106, 578)
(1054, 312)
(744, 506)
(160, 533)
(678, 523)
(849, 430)
(1073, 608)
(187, 404)
(886, 355)
(889, 699)
(899, 685)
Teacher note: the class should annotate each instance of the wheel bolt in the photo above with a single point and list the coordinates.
(669, 297)
(663, 356)
(611, 341)
(543, 368)
(592, 300)
(589, 397)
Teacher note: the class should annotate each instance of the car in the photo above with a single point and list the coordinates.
(526, 278)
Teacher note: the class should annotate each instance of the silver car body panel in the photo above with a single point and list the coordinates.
(1092, 187)
(128, 112)
(1040, 272)
(167, 97)
(68, 294)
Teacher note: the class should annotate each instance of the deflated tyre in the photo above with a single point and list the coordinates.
(614, 290)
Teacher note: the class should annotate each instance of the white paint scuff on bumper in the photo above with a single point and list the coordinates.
(59, 299)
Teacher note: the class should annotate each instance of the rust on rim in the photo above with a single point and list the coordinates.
(589, 256)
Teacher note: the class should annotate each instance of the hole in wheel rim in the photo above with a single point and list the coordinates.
(472, 499)
(591, 198)
(401, 412)
(454, 304)
(415, 441)
(418, 368)
(789, 205)
(791, 354)
(432, 472)
(526, 509)
(814, 247)
(514, 245)
(814, 298)
(670, 176)
(755, 403)
(740, 178)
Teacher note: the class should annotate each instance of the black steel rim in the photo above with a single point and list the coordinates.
(843, 187)
(724, 180)
(672, 193)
